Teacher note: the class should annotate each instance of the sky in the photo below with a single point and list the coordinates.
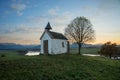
(23, 21)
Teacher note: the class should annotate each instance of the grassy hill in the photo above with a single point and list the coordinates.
(59, 67)
(85, 50)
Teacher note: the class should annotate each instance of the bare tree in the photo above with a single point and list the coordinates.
(80, 31)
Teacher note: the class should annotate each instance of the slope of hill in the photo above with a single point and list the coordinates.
(59, 67)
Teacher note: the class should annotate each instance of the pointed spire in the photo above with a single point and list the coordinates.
(48, 27)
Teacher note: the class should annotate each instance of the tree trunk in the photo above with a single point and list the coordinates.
(79, 48)
(110, 56)
(68, 47)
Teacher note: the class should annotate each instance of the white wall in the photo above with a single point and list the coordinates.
(57, 47)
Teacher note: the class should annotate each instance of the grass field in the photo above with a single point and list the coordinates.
(72, 51)
(58, 67)
(85, 50)
(9, 53)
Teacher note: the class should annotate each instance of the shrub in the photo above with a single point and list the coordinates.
(109, 49)
(3, 55)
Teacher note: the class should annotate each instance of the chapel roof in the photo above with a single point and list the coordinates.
(54, 35)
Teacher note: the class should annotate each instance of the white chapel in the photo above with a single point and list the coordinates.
(53, 42)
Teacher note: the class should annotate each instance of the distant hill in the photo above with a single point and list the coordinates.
(75, 45)
(13, 46)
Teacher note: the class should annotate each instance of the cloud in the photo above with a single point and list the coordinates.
(53, 11)
(58, 22)
(108, 7)
(30, 34)
(22, 34)
(87, 8)
(28, 29)
(63, 18)
(21, 29)
(13, 0)
(18, 8)
(7, 12)
(39, 20)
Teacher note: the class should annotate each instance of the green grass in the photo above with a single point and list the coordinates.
(85, 50)
(59, 67)
(9, 53)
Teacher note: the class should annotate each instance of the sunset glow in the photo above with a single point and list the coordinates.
(23, 21)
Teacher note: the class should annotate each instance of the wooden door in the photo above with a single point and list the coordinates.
(45, 43)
